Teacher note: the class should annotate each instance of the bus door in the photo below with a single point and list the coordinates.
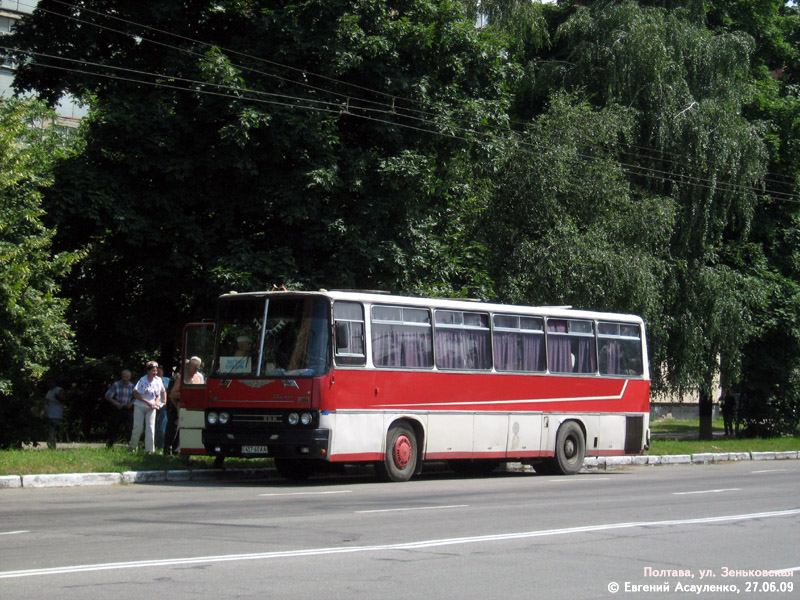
(198, 343)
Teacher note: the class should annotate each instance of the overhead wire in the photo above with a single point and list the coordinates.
(306, 72)
(355, 111)
(385, 109)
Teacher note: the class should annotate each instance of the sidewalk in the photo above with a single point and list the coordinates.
(590, 464)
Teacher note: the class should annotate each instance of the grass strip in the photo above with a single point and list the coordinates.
(106, 460)
(119, 459)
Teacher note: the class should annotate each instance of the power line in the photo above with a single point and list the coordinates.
(349, 103)
(352, 109)
(305, 72)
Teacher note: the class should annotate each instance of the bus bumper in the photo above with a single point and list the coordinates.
(303, 443)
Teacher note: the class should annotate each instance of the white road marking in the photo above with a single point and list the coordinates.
(13, 532)
(770, 471)
(482, 539)
(707, 491)
(574, 479)
(382, 510)
(309, 493)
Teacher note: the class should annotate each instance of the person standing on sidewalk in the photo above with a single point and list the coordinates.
(56, 397)
(120, 397)
(149, 396)
(728, 412)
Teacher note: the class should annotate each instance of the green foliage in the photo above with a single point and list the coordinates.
(565, 215)
(328, 152)
(117, 459)
(32, 315)
(771, 360)
(247, 144)
(692, 144)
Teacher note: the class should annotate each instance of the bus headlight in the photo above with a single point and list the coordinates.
(305, 419)
(293, 418)
(224, 418)
(212, 418)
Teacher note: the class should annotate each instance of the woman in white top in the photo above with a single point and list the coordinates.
(149, 396)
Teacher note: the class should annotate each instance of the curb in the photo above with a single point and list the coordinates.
(131, 477)
(603, 462)
(590, 463)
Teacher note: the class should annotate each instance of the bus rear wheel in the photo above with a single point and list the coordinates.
(400, 460)
(570, 449)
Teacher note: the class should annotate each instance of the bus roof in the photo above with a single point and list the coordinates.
(371, 297)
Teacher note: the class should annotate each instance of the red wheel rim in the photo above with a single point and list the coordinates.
(402, 451)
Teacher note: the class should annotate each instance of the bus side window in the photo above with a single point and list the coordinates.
(401, 337)
(463, 340)
(349, 332)
(571, 346)
(620, 349)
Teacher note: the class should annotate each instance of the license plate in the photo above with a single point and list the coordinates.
(254, 450)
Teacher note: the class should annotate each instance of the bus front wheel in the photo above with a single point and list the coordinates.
(400, 460)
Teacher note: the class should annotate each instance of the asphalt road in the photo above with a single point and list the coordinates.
(505, 536)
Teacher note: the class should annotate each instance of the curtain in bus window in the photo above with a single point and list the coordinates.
(559, 351)
(586, 362)
(463, 349)
(506, 351)
(533, 352)
(610, 357)
(518, 351)
(355, 338)
(415, 347)
(401, 346)
(449, 349)
(385, 346)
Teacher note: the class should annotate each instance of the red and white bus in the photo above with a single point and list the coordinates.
(315, 379)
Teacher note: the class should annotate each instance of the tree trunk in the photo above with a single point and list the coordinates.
(706, 407)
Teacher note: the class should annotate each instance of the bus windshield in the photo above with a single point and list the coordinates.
(262, 336)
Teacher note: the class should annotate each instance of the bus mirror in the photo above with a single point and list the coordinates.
(342, 335)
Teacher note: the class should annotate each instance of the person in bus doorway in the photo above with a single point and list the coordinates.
(191, 375)
(120, 397)
(149, 395)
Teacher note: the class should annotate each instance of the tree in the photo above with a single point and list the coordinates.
(32, 314)
(320, 144)
(770, 382)
(687, 149)
(566, 226)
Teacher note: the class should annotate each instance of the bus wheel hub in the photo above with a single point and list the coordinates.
(402, 451)
(569, 449)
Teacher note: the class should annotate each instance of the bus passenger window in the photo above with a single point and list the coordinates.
(620, 349)
(401, 337)
(519, 343)
(349, 333)
(462, 340)
(571, 346)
